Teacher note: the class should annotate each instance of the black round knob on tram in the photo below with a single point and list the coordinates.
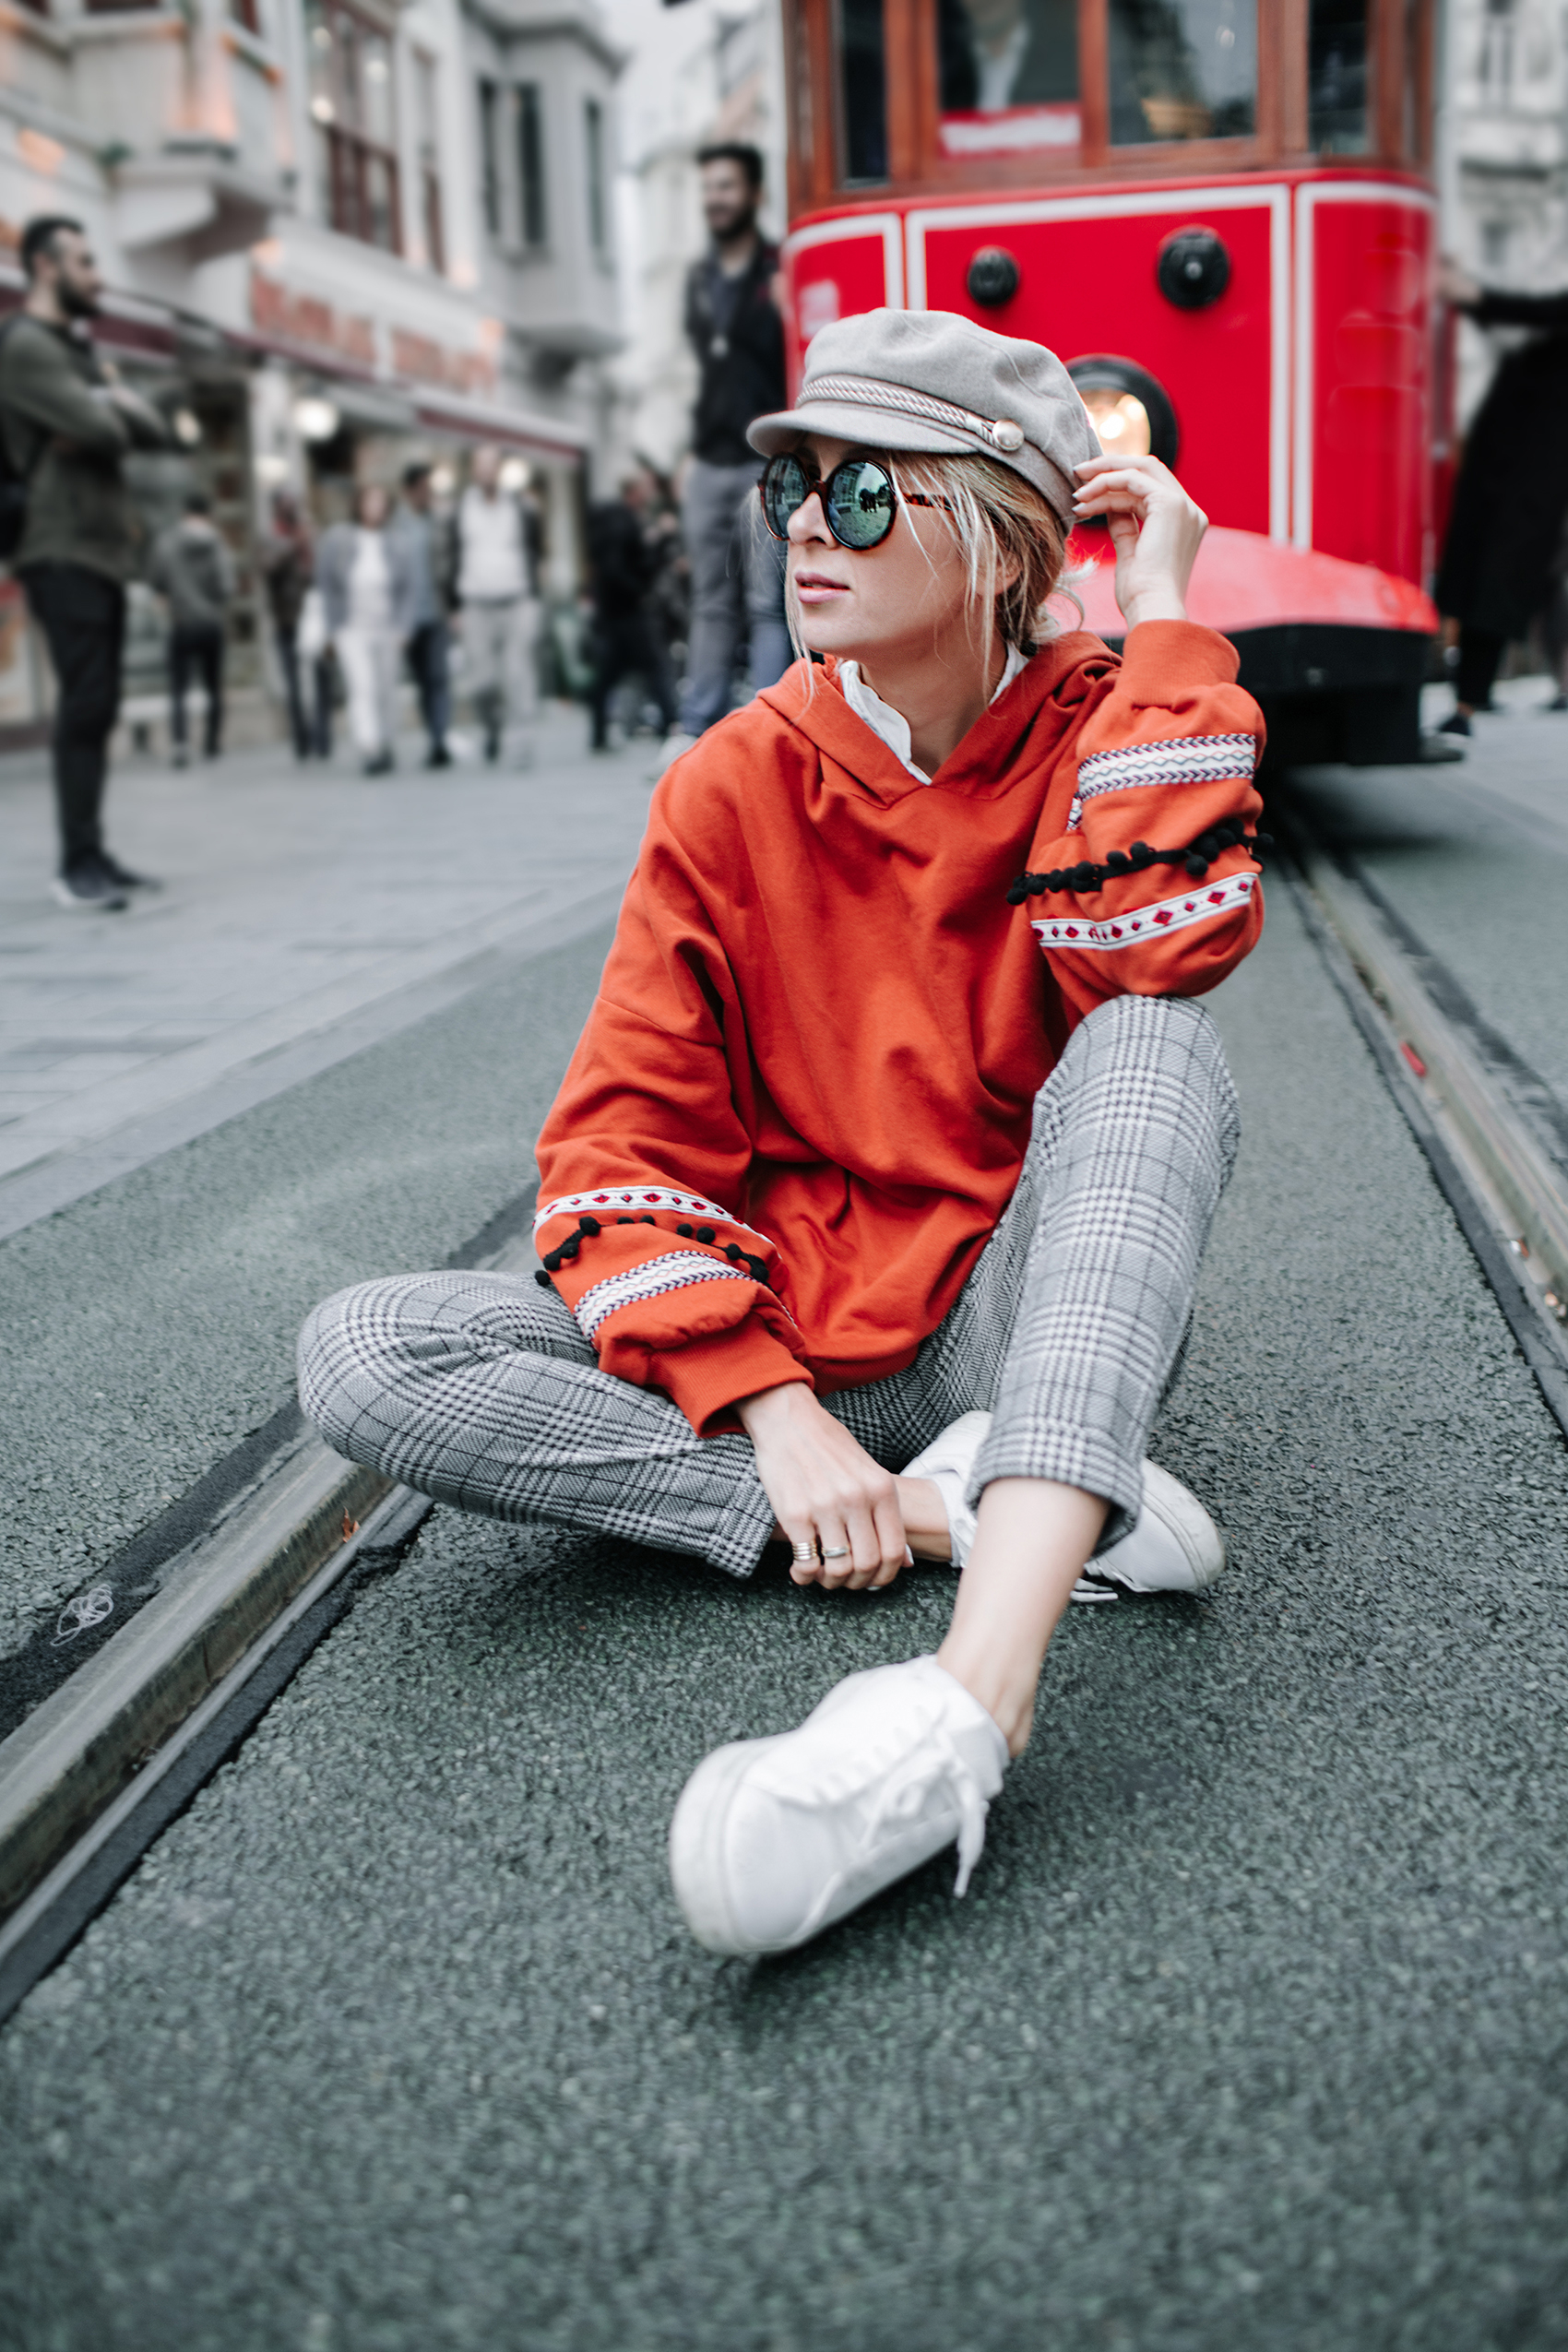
(1193, 268)
(994, 278)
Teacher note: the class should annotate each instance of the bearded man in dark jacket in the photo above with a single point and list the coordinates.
(68, 424)
(734, 327)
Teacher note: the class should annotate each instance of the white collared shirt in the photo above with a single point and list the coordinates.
(892, 725)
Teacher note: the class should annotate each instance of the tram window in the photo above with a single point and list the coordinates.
(1183, 69)
(1009, 75)
(1336, 77)
(864, 88)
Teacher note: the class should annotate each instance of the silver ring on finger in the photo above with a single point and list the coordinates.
(836, 1551)
(804, 1551)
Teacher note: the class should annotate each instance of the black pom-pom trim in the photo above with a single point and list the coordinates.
(707, 1234)
(1196, 857)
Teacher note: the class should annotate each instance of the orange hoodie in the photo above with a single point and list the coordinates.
(804, 1092)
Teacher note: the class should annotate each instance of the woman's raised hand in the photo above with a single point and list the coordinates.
(1155, 528)
(825, 1490)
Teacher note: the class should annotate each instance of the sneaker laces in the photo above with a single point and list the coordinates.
(903, 1798)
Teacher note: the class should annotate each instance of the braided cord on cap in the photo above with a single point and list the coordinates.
(898, 399)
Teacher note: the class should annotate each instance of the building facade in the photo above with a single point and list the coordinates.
(1506, 159)
(338, 233)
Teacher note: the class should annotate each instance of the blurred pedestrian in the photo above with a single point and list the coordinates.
(428, 537)
(1503, 535)
(286, 565)
(497, 557)
(193, 572)
(626, 543)
(366, 582)
(68, 422)
(733, 322)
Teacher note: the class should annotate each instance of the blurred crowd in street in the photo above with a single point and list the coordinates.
(430, 582)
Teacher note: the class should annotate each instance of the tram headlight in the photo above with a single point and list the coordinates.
(1130, 409)
(1121, 420)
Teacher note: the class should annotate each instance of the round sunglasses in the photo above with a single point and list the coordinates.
(858, 498)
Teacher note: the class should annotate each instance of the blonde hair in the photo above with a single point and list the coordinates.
(1004, 525)
(1013, 544)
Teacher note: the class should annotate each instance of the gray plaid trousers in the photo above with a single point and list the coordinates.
(479, 1388)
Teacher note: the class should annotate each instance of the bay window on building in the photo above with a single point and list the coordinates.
(531, 205)
(428, 157)
(352, 107)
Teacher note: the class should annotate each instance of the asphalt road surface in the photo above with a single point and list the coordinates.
(1251, 2032)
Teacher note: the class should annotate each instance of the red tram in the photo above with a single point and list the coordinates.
(1220, 214)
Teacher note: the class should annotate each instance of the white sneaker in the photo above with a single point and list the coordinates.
(773, 1840)
(1174, 1547)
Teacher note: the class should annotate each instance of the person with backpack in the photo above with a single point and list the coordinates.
(195, 571)
(67, 423)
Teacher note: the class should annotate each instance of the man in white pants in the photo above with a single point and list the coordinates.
(495, 589)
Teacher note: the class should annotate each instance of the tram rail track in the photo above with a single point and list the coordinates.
(240, 1581)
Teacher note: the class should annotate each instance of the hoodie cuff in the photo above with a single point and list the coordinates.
(1163, 661)
(704, 1376)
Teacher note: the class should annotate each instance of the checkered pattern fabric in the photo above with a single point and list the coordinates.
(479, 1389)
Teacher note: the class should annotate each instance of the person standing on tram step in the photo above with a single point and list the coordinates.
(68, 424)
(497, 571)
(1501, 554)
(366, 581)
(428, 536)
(734, 326)
(193, 572)
(874, 1200)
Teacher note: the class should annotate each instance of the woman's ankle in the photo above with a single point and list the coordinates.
(1005, 1695)
(1033, 1536)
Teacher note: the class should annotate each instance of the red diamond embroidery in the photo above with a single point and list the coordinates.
(1163, 916)
(1216, 898)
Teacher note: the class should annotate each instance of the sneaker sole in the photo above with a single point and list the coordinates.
(696, 1834)
(74, 905)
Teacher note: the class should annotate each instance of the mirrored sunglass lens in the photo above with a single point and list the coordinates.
(787, 491)
(862, 501)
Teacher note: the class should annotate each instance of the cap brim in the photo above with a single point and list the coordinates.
(866, 428)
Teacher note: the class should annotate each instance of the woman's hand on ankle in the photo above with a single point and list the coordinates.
(825, 1489)
(1155, 528)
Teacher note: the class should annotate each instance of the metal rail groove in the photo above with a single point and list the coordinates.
(96, 1771)
(1486, 1122)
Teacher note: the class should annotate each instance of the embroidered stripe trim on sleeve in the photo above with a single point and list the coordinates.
(1191, 759)
(1146, 923)
(623, 1200)
(678, 1271)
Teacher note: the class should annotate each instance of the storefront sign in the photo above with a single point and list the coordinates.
(423, 362)
(304, 318)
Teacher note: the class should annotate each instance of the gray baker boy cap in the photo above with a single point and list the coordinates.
(927, 380)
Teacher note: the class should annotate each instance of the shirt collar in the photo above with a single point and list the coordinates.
(891, 725)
